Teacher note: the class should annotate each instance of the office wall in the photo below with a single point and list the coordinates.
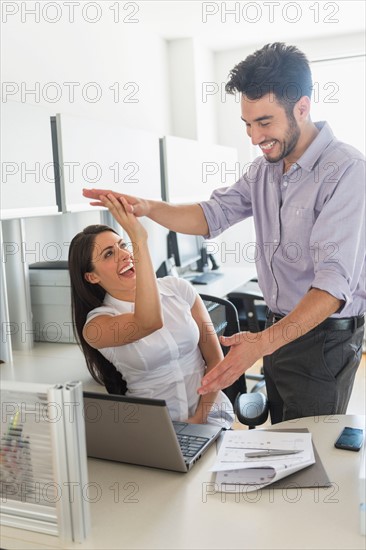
(191, 70)
(90, 59)
(100, 70)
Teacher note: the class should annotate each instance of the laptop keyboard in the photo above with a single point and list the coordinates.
(190, 444)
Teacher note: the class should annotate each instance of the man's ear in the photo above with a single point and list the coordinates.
(303, 107)
(91, 277)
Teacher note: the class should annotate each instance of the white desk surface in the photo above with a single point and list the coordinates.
(232, 278)
(157, 509)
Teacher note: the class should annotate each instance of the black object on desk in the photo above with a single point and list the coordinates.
(350, 439)
(57, 264)
(205, 278)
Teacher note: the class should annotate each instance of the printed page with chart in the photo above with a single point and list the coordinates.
(257, 458)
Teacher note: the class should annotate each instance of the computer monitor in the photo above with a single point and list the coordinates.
(186, 249)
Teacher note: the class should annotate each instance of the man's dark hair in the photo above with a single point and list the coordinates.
(275, 68)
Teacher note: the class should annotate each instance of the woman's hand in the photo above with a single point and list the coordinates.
(196, 419)
(119, 209)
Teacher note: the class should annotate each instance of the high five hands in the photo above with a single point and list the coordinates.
(134, 205)
(121, 211)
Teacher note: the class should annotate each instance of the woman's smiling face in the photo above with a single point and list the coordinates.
(113, 266)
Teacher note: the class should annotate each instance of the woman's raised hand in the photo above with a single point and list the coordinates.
(119, 208)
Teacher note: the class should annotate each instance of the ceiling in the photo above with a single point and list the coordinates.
(250, 22)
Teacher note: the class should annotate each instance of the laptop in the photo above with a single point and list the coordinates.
(140, 431)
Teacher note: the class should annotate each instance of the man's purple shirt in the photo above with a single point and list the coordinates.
(309, 223)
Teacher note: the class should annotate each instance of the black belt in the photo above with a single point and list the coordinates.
(345, 323)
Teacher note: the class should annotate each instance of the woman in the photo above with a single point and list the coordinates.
(142, 336)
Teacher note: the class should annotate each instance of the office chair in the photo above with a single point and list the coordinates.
(249, 302)
(252, 312)
(250, 408)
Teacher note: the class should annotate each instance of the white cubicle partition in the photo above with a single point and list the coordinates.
(193, 169)
(27, 190)
(106, 155)
(6, 353)
(43, 460)
(27, 170)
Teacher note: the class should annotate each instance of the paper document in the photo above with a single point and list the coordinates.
(235, 469)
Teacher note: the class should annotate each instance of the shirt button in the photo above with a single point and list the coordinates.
(273, 296)
(275, 240)
(285, 183)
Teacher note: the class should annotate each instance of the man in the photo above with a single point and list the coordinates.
(307, 198)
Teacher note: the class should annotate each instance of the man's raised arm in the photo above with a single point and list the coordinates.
(182, 218)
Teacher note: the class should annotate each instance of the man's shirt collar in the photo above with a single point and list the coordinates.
(312, 154)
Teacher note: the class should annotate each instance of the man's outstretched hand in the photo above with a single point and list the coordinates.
(139, 207)
(245, 350)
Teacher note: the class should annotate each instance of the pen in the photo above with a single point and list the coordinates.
(272, 452)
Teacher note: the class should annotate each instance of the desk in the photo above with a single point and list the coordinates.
(153, 509)
(232, 278)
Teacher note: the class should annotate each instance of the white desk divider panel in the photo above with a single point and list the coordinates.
(6, 352)
(192, 169)
(101, 154)
(191, 172)
(27, 169)
(44, 464)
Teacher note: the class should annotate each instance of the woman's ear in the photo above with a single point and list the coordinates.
(91, 277)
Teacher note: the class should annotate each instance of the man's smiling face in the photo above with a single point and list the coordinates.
(270, 127)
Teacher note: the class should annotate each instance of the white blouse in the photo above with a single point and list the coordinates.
(168, 363)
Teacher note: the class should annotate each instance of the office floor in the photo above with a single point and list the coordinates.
(55, 363)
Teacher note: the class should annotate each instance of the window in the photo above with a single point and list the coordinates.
(339, 97)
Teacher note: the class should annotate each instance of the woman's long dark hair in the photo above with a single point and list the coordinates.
(86, 296)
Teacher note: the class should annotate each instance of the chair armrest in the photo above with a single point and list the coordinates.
(259, 378)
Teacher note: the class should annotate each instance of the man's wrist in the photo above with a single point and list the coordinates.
(149, 207)
(269, 340)
(261, 341)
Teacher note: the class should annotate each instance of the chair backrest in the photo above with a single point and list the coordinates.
(225, 320)
(224, 315)
(248, 300)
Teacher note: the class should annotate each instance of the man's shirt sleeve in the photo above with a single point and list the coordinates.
(339, 234)
(227, 206)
